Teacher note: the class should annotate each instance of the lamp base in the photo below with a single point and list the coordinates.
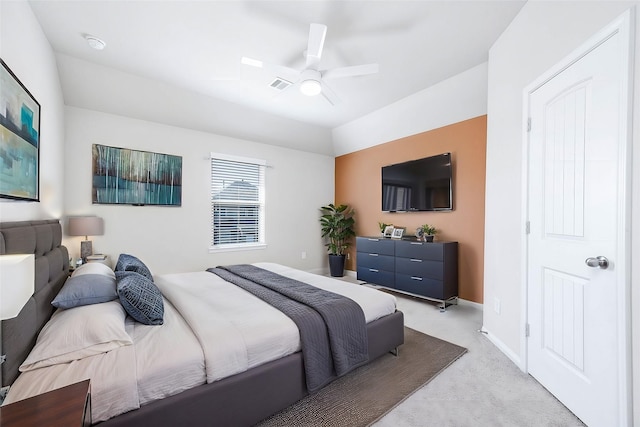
(86, 249)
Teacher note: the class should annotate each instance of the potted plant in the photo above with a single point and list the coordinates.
(337, 224)
(428, 232)
(383, 226)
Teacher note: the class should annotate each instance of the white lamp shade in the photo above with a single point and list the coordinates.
(16, 283)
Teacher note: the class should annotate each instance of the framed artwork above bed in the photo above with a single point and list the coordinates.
(123, 176)
(19, 139)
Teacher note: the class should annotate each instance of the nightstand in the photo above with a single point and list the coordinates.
(65, 407)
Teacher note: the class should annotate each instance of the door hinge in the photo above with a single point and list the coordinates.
(526, 330)
(527, 227)
(528, 124)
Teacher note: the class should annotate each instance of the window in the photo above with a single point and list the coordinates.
(237, 202)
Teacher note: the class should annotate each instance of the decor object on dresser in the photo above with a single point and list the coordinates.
(383, 226)
(130, 177)
(85, 226)
(428, 232)
(397, 233)
(424, 270)
(19, 139)
(337, 224)
(16, 286)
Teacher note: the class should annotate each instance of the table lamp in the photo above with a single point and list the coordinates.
(17, 278)
(85, 226)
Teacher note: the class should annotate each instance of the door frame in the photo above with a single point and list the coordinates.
(622, 25)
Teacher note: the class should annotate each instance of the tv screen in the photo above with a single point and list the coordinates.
(418, 185)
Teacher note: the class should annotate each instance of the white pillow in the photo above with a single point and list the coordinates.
(77, 333)
(94, 268)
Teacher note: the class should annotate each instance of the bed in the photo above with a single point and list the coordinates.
(158, 387)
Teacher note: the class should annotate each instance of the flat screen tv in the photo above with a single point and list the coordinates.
(418, 185)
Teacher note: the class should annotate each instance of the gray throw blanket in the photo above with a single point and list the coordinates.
(332, 327)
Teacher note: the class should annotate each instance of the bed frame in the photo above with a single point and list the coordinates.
(240, 400)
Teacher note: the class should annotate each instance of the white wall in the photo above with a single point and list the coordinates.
(24, 48)
(453, 100)
(541, 35)
(175, 239)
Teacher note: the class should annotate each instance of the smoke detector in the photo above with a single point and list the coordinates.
(94, 42)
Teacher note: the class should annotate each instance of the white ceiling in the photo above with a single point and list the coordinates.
(197, 45)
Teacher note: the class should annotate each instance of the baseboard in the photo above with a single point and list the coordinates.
(319, 271)
(351, 273)
(503, 348)
(473, 304)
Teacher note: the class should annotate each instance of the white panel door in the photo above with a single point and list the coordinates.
(574, 208)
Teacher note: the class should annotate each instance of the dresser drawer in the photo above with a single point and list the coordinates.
(376, 276)
(420, 267)
(420, 250)
(374, 245)
(381, 262)
(430, 288)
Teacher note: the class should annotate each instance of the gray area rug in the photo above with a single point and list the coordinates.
(366, 394)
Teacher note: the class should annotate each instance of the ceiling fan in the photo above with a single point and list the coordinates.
(311, 80)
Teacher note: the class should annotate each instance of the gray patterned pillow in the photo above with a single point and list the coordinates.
(140, 297)
(128, 262)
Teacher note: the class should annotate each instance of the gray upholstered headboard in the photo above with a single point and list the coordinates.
(44, 239)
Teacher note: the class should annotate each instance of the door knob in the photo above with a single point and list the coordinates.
(599, 261)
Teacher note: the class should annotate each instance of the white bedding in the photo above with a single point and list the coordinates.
(212, 329)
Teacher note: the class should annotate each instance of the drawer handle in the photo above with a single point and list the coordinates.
(373, 240)
(415, 260)
(416, 278)
(373, 254)
(416, 243)
(373, 270)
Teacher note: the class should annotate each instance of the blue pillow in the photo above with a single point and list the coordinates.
(128, 262)
(140, 297)
(86, 289)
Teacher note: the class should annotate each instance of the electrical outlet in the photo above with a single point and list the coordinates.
(303, 255)
(348, 255)
(496, 305)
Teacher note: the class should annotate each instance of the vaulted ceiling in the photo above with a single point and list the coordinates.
(193, 49)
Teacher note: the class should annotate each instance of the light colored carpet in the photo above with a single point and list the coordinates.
(483, 388)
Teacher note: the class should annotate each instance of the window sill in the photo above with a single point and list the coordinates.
(236, 248)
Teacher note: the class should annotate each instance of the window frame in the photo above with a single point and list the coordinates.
(261, 204)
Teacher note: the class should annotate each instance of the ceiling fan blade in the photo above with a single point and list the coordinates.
(355, 70)
(317, 34)
(329, 94)
(277, 70)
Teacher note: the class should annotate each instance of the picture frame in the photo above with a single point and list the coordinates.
(122, 176)
(388, 231)
(397, 233)
(19, 139)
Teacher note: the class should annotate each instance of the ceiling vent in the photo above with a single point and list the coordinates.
(280, 83)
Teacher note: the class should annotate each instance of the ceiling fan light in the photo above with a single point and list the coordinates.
(310, 87)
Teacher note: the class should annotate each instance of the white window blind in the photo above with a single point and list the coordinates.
(237, 201)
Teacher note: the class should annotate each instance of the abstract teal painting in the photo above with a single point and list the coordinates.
(19, 139)
(131, 177)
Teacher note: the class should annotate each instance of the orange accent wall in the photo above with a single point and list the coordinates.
(358, 184)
